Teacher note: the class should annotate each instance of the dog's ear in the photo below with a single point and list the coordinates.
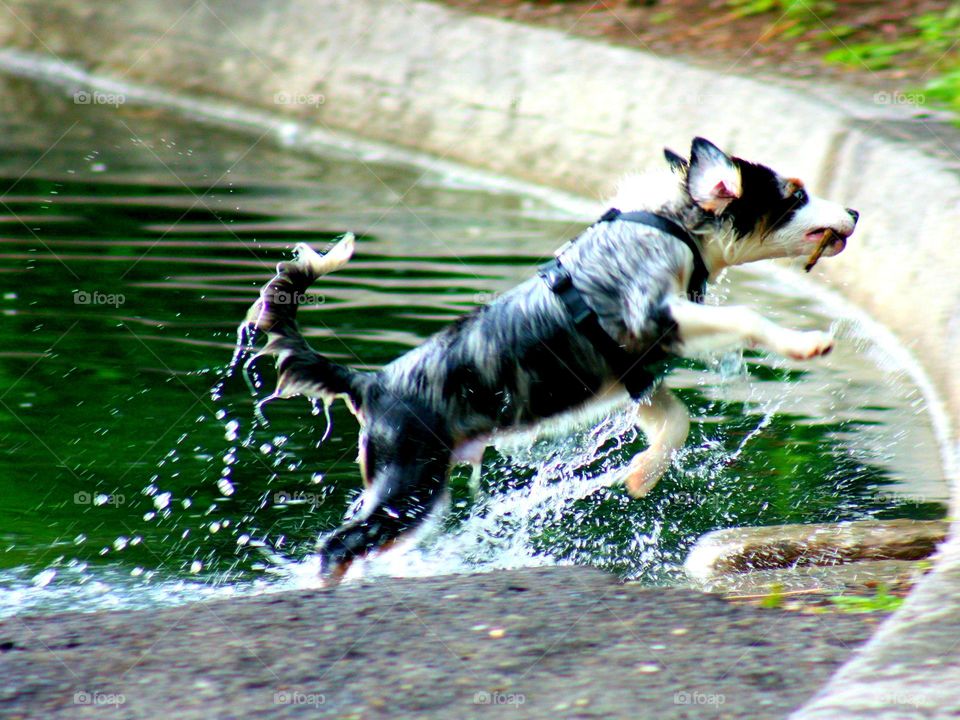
(676, 162)
(713, 180)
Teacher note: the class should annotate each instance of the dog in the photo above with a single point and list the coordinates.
(601, 321)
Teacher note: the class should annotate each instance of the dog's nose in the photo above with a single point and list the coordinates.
(854, 214)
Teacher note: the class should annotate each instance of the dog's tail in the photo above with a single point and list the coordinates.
(300, 369)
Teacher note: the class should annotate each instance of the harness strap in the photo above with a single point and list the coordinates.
(697, 287)
(634, 372)
(631, 371)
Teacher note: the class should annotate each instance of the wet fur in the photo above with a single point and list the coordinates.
(519, 361)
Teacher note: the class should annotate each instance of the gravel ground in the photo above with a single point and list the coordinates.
(540, 643)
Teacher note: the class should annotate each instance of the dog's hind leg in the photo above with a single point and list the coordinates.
(665, 422)
(405, 458)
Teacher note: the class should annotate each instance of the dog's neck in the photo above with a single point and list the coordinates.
(663, 191)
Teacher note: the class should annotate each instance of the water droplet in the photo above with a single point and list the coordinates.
(225, 487)
(162, 500)
(196, 566)
(42, 579)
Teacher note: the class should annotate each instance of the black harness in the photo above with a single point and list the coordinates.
(633, 371)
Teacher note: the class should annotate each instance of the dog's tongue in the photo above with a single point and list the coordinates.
(825, 240)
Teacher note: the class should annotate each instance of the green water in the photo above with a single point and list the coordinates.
(131, 243)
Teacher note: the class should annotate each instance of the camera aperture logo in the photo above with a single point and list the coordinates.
(95, 297)
(299, 98)
(95, 97)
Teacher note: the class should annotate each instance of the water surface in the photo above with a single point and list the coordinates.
(131, 243)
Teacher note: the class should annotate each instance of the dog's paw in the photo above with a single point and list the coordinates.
(644, 471)
(805, 345)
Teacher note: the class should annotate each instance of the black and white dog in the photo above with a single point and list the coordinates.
(599, 321)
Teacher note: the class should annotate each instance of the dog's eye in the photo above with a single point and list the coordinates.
(800, 196)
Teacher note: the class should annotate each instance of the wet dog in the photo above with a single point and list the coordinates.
(602, 319)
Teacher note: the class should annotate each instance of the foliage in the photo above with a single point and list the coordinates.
(775, 598)
(932, 38)
(797, 16)
(934, 35)
(935, 39)
(881, 601)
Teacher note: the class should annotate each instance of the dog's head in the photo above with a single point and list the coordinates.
(743, 211)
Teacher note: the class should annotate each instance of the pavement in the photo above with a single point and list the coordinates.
(562, 642)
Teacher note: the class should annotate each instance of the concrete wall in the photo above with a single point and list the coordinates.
(542, 106)
(561, 111)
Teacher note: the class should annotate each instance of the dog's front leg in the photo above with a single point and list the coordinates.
(707, 328)
(665, 422)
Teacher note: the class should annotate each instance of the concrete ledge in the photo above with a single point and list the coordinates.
(737, 550)
(575, 114)
(562, 642)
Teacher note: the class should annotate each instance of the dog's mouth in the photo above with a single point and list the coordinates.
(838, 238)
(829, 242)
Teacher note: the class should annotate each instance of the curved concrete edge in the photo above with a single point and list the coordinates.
(575, 114)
